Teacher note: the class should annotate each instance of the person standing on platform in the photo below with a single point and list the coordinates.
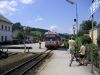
(72, 45)
(39, 44)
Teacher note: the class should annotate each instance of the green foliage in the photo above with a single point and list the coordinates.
(64, 35)
(80, 33)
(78, 43)
(85, 39)
(40, 30)
(28, 29)
(86, 26)
(17, 26)
(36, 33)
(82, 39)
(89, 48)
(20, 36)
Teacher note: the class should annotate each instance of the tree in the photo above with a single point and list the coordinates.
(20, 36)
(17, 26)
(28, 29)
(80, 33)
(85, 39)
(87, 25)
(36, 33)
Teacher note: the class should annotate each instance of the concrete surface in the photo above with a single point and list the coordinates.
(59, 65)
(35, 48)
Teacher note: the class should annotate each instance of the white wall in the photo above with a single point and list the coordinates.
(4, 32)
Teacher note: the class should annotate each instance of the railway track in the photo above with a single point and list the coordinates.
(11, 54)
(23, 68)
(6, 55)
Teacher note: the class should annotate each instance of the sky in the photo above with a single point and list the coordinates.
(55, 15)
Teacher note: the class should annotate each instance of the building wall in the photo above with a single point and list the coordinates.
(90, 34)
(96, 35)
(5, 31)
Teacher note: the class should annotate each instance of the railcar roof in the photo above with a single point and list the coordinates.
(51, 33)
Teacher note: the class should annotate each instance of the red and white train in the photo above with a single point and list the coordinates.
(52, 40)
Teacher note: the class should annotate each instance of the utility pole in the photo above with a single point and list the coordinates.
(24, 30)
(76, 19)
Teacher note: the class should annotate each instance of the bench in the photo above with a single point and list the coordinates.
(14, 47)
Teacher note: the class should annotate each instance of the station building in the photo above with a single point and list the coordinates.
(5, 29)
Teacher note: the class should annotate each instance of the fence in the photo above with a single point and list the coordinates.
(93, 56)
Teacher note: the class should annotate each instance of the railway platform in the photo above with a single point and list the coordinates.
(59, 65)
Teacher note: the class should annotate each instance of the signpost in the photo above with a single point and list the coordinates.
(93, 8)
(95, 5)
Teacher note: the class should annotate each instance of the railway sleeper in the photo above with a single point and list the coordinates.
(8, 72)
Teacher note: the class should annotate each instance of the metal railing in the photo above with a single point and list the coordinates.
(93, 56)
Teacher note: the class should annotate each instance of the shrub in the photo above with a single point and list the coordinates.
(89, 48)
(85, 39)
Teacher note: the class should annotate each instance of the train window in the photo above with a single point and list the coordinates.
(50, 35)
(50, 38)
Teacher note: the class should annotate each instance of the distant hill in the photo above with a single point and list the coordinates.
(39, 29)
(27, 29)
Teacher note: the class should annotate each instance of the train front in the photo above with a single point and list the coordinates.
(51, 41)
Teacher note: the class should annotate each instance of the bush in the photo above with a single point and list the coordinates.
(89, 48)
(85, 39)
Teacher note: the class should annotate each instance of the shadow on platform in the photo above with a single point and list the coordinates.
(61, 49)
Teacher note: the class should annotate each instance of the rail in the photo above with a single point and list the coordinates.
(21, 69)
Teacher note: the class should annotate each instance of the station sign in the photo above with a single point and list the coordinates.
(95, 5)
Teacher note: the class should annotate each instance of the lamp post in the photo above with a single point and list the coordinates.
(75, 20)
(24, 28)
(69, 1)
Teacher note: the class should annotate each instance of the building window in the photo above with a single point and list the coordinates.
(1, 38)
(5, 27)
(5, 38)
(2, 27)
(9, 28)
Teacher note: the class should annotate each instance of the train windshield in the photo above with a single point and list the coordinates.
(50, 37)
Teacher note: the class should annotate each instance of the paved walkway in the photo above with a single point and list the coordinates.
(59, 65)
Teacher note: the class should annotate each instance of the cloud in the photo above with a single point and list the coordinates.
(27, 1)
(11, 6)
(8, 6)
(70, 30)
(38, 18)
(54, 28)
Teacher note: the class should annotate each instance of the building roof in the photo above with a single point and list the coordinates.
(49, 32)
(2, 18)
